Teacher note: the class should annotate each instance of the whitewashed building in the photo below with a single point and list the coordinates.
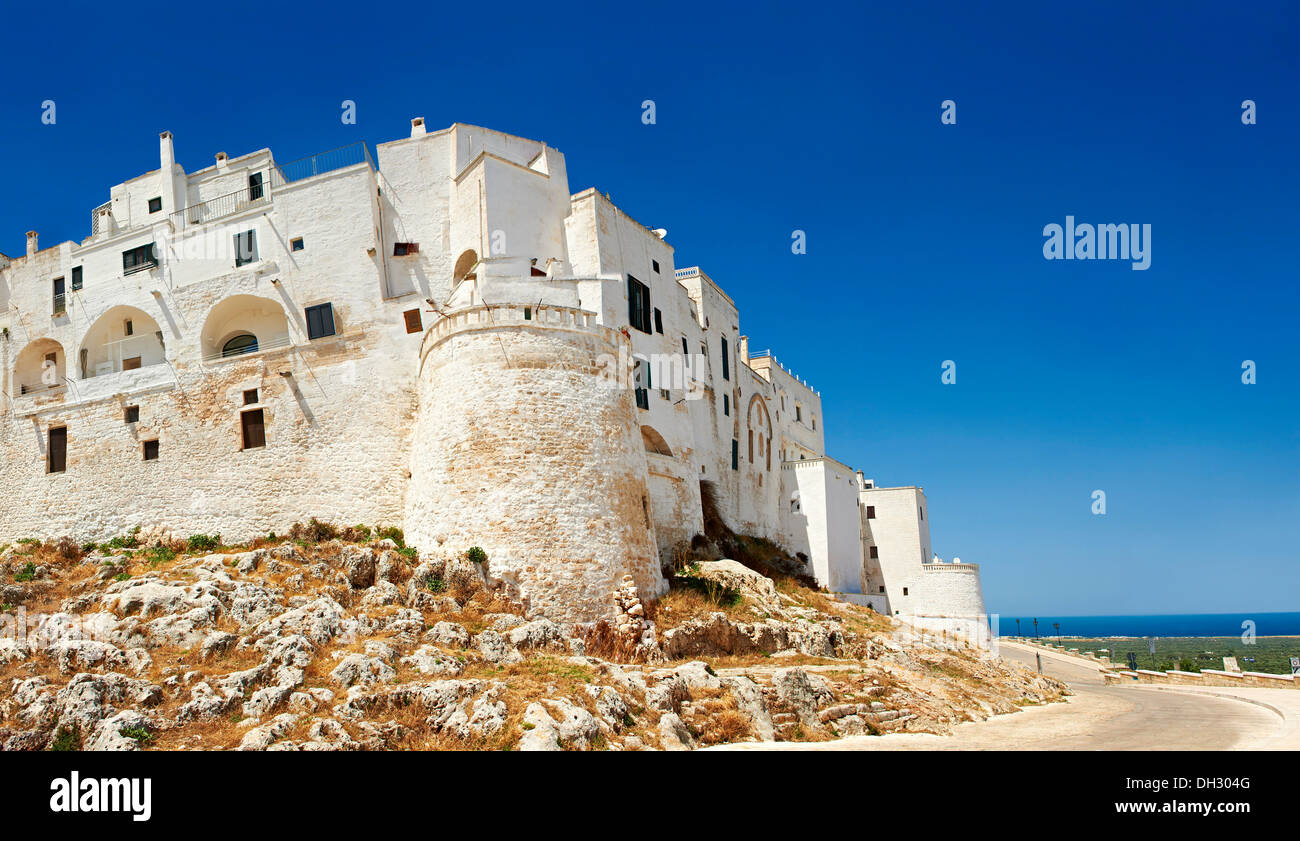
(442, 337)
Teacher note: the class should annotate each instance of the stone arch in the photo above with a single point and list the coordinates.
(31, 371)
(465, 264)
(244, 315)
(122, 338)
(654, 442)
(759, 423)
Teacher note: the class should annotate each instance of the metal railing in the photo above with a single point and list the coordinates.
(60, 304)
(203, 212)
(276, 175)
(321, 163)
(94, 217)
(32, 389)
(270, 343)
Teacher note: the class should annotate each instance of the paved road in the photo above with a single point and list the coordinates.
(1098, 717)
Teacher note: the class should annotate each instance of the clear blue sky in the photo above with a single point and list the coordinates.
(924, 240)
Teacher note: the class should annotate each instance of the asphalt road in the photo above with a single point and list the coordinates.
(1096, 717)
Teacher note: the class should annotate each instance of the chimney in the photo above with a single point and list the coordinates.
(222, 159)
(32, 248)
(744, 348)
(167, 169)
(417, 127)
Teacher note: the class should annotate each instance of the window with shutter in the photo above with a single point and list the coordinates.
(726, 360)
(253, 425)
(638, 305)
(58, 450)
(413, 322)
(245, 248)
(320, 321)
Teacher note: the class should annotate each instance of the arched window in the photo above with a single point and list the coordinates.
(246, 343)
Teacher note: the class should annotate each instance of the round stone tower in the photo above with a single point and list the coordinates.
(526, 446)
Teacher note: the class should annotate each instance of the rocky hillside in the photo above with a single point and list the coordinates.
(333, 640)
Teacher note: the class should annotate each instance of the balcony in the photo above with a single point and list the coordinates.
(233, 349)
(60, 304)
(276, 175)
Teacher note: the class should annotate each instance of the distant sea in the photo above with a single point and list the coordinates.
(1154, 625)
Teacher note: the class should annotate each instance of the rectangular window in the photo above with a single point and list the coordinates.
(255, 186)
(920, 511)
(401, 249)
(151, 450)
(654, 264)
(735, 454)
(155, 204)
(295, 244)
(413, 322)
(250, 397)
(904, 591)
(58, 450)
(882, 588)
(638, 304)
(798, 412)
(641, 383)
(685, 350)
(726, 364)
(875, 551)
(245, 248)
(128, 328)
(659, 321)
(76, 278)
(60, 302)
(254, 428)
(131, 363)
(726, 405)
(871, 512)
(139, 258)
(132, 414)
(320, 321)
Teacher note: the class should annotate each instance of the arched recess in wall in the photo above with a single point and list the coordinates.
(230, 323)
(40, 366)
(465, 265)
(760, 431)
(654, 442)
(121, 339)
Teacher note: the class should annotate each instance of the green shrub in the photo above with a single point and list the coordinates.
(203, 542)
(434, 584)
(314, 532)
(125, 541)
(27, 573)
(409, 552)
(122, 576)
(141, 735)
(67, 738)
(160, 555)
(392, 533)
(357, 534)
(476, 555)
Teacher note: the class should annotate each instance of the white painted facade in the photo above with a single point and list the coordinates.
(473, 379)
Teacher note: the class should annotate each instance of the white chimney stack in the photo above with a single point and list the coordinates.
(417, 127)
(32, 248)
(222, 161)
(167, 169)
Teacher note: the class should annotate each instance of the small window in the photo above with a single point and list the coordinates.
(875, 552)
(814, 421)
(250, 397)
(904, 591)
(76, 278)
(685, 349)
(155, 204)
(659, 321)
(413, 322)
(253, 426)
(57, 452)
(882, 588)
(798, 412)
(139, 258)
(131, 363)
(726, 405)
(871, 512)
(726, 364)
(920, 511)
(132, 414)
(151, 450)
(528, 313)
(295, 244)
(320, 321)
(255, 186)
(735, 454)
(128, 328)
(245, 248)
(401, 249)
(654, 264)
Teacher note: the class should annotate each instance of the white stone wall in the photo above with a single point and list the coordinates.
(523, 449)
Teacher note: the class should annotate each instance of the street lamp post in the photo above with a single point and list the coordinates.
(1017, 627)
(1057, 626)
(1035, 630)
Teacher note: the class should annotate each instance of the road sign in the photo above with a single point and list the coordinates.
(1133, 660)
(1151, 645)
(1295, 665)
